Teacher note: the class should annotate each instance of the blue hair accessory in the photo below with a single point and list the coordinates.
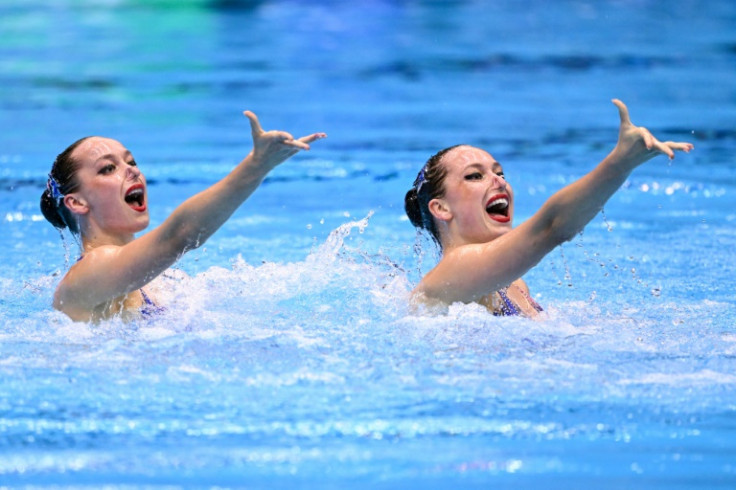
(54, 189)
(420, 180)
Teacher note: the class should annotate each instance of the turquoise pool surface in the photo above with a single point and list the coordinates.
(288, 356)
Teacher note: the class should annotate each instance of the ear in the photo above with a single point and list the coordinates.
(440, 210)
(76, 204)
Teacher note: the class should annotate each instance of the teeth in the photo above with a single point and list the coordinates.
(134, 195)
(500, 202)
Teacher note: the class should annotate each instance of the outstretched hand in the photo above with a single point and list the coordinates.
(637, 145)
(270, 148)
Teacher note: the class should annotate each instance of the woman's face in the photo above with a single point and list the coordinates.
(112, 186)
(479, 201)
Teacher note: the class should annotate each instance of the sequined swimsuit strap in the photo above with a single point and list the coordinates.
(508, 307)
(149, 308)
(146, 299)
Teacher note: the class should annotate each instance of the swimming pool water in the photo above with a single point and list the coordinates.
(288, 356)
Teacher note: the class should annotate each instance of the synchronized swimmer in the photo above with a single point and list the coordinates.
(463, 200)
(96, 189)
(460, 197)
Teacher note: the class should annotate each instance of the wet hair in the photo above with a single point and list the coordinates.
(62, 181)
(428, 185)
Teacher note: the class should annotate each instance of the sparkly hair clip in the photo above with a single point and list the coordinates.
(54, 189)
(420, 180)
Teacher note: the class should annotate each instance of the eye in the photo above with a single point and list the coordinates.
(474, 176)
(502, 175)
(107, 169)
(133, 163)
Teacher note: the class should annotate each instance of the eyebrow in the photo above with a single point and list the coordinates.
(110, 156)
(480, 165)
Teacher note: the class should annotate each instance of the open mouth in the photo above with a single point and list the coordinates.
(498, 208)
(135, 197)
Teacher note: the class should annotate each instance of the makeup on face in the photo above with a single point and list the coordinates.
(497, 208)
(478, 195)
(109, 170)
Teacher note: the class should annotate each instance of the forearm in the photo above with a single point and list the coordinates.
(570, 209)
(197, 218)
(200, 216)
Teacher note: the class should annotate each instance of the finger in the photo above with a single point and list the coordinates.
(296, 144)
(283, 135)
(680, 146)
(255, 125)
(280, 136)
(649, 140)
(623, 111)
(312, 137)
(665, 148)
(289, 140)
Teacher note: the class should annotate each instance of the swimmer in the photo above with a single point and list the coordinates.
(463, 200)
(96, 189)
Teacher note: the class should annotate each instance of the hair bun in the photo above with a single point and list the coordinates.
(411, 206)
(51, 210)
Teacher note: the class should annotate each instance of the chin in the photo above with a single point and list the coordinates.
(141, 225)
(499, 231)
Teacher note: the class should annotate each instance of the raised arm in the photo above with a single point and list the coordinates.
(195, 220)
(108, 272)
(470, 272)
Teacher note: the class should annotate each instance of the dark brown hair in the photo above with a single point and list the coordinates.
(428, 185)
(64, 175)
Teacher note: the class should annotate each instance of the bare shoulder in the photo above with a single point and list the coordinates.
(447, 281)
(74, 287)
(89, 263)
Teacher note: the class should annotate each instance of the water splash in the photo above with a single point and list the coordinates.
(327, 350)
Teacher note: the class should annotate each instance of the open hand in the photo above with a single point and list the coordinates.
(637, 145)
(271, 148)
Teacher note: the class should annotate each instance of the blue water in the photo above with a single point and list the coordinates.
(288, 356)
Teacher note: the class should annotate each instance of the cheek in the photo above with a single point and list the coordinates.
(511, 200)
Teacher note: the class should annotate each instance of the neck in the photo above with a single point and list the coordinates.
(91, 243)
(451, 238)
(93, 238)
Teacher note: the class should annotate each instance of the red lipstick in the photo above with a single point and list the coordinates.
(135, 197)
(497, 208)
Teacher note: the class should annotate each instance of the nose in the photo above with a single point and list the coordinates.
(132, 172)
(498, 182)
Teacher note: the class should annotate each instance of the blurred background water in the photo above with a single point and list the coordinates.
(288, 356)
